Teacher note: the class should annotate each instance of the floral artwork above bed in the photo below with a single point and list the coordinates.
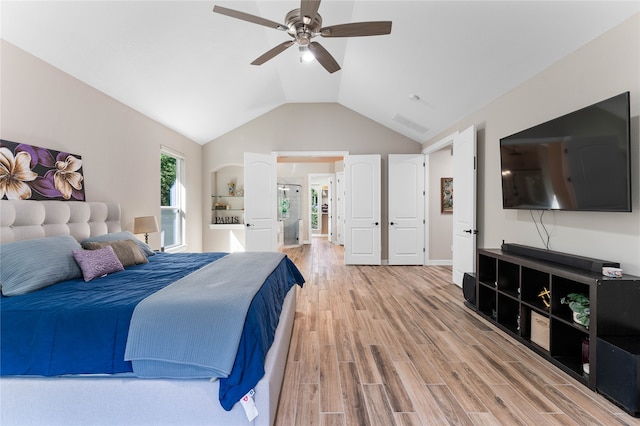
(29, 172)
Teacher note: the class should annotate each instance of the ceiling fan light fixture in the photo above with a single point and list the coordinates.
(303, 38)
(305, 54)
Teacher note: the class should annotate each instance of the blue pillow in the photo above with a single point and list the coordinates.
(30, 265)
(118, 236)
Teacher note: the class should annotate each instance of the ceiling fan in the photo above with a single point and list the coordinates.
(305, 23)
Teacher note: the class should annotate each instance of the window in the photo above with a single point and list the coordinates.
(172, 199)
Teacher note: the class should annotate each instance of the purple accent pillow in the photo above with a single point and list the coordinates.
(97, 263)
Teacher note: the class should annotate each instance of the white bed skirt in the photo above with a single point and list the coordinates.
(104, 400)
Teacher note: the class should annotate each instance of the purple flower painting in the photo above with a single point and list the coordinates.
(29, 172)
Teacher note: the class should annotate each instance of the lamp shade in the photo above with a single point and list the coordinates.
(145, 225)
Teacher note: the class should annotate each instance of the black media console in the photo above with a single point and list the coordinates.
(605, 357)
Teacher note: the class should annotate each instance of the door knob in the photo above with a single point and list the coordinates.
(248, 225)
(391, 223)
(375, 223)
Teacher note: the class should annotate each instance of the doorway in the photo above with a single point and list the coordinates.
(320, 205)
(440, 224)
(289, 213)
(296, 167)
(464, 229)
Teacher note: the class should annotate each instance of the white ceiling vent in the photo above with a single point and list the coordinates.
(410, 124)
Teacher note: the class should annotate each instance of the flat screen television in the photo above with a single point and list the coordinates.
(580, 161)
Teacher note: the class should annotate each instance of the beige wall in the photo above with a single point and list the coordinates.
(440, 224)
(605, 67)
(304, 127)
(120, 148)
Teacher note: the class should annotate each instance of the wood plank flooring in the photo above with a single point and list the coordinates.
(394, 345)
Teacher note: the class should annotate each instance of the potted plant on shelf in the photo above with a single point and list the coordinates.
(579, 305)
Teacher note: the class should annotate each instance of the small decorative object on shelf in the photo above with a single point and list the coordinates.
(609, 271)
(579, 305)
(227, 220)
(232, 188)
(540, 332)
(545, 296)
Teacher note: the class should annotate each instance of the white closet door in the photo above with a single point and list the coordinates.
(406, 209)
(339, 197)
(260, 187)
(362, 245)
(330, 225)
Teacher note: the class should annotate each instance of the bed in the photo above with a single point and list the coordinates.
(148, 354)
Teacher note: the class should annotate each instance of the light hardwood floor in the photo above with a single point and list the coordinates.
(385, 345)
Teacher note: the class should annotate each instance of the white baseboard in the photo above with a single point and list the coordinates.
(445, 262)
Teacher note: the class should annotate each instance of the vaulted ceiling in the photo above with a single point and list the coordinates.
(189, 68)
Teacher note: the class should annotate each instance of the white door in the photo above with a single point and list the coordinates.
(260, 204)
(339, 197)
(464, 204)
(330, 236)
(406, 209)
(362, 210)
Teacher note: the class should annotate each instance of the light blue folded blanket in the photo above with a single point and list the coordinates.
(192, 327)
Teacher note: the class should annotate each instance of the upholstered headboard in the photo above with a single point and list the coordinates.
(29, 219)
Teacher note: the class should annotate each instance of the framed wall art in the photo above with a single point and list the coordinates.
(30, 172)
(446, 195)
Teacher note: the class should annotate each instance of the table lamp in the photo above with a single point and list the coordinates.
(145, 225)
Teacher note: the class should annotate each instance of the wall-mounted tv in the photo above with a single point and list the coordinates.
(578, 162)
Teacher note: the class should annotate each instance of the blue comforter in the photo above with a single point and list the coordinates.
(192, 328)
(81, 328)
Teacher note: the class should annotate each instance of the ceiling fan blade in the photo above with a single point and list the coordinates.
(248, 17)
(273, 52)
(357, 29)
(324, 57)
(309, 10)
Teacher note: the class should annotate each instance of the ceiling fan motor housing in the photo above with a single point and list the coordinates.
(301, 32)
